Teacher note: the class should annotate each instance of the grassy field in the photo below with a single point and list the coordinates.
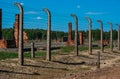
(62, 65)
(63, 50)
(7, 55)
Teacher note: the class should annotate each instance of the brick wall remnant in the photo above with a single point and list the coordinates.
(16, 31)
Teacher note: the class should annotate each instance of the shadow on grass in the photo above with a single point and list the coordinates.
(46, 67)
(12, 72)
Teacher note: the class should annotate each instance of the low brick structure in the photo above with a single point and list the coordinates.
(3, 44)
(7, 44)
(12, 43)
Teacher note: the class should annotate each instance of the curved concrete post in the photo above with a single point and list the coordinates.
(76, 33)
(48, 55)
(90, 35)
(20, 48)
(111, 37)
(118, 36)
(0, 23)
(101, 35)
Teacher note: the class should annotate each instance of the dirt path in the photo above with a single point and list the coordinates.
(105, 73)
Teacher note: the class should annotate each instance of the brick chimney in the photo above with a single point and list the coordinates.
(69, 31)
(70, 41)
(16, 29)
(81, 38)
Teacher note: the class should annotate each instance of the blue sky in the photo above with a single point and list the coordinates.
(34, 17)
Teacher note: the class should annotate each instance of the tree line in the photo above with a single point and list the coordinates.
(33, 34)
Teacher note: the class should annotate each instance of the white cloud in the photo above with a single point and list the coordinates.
(31, 12)
(39, 18)
(78, 6)
(22, 3)
(94, 13)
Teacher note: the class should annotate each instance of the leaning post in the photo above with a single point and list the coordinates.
(48, 55)
(101, 29)
(20, 48)
(90, 35)
(76, 33)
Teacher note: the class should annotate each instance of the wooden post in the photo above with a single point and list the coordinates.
(32, 50)
(98, 60)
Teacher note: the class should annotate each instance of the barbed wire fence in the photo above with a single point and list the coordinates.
(36, 19)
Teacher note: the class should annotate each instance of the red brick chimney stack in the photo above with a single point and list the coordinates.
(16, 29)
(69, 31)
(81, 38)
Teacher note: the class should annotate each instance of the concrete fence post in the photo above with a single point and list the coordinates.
(20, 48)
(90, 35)
(48, 55)
(32, 50)
(101, 35)
(118, 36)
(0, 23)
(76, 33)
(111, 37)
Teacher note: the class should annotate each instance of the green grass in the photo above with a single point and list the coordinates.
(82, 48)
(5, 55)
(67, 49)
(8, 55)
(37, 54)
(43, 54)
(96, 47)
(106, 47)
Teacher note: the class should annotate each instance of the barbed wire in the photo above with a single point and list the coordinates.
(59, 20)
